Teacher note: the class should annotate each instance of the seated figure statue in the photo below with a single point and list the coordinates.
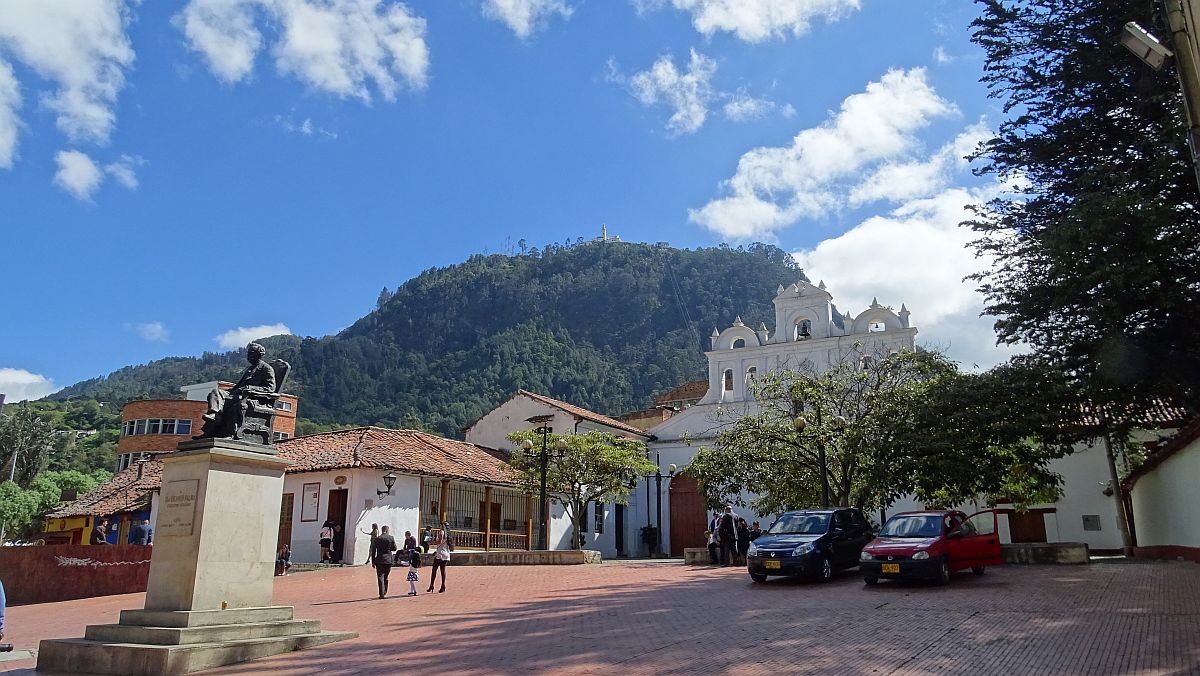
(226, 408)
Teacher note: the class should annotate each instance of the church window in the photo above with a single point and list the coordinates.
(738, 342)
(750, 375)
(728, 380)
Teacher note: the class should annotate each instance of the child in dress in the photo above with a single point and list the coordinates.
(414, 562)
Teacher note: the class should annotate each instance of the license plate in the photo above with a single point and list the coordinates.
(771, 564)
(891, 568)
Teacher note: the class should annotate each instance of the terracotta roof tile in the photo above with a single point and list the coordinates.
(122, 493)
(407, 451)
(584, 413)
(1159, 414)
(695, 389)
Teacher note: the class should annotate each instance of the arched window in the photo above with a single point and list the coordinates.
(738, 342)
(803, 330)
(750, 374)
(876, 327)
(728, 380)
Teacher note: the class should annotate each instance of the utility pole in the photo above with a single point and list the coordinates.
(1119, 494)
(1182, 17)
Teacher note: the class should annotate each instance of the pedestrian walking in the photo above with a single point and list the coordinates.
(141, 534)
(441, 557)
(382, 548)
(373, 534)
(325, 539)
(413, 577)
(100, 533)
(727, 536)
(755, 531)
(743, 541)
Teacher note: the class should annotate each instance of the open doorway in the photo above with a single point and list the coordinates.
(336, 513)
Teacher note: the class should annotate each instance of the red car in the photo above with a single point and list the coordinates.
(931, 545)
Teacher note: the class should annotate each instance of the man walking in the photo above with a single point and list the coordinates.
(141, 534)
(727, 536)
(382, 547)
(100, 533)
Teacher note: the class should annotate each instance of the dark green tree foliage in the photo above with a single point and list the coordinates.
(1098, 254)
(602, 325)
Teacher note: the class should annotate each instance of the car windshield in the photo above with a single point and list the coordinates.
(801, 524)
(913, 526)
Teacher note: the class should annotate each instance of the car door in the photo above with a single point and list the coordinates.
(864, 534)
(958, 548)
(985, 543)
(838, 532)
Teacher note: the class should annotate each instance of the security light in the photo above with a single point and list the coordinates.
(1145, 46)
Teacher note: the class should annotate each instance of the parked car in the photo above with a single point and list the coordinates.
(932, 545)
(811, 543)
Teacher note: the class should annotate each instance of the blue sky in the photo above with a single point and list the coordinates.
(158, 160)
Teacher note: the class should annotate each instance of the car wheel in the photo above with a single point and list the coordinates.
(979, 570)
(871, 580)
(758, 577)
(943, 576)
(826, 573)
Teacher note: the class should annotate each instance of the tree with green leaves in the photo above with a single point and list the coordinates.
(1097, 248)
(26, 439)
(581, 469)
(891, 425)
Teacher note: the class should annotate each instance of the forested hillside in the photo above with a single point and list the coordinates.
(604, 325)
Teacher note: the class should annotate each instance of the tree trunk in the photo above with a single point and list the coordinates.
(1118, 494)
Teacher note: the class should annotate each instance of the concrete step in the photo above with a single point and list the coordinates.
(205, 618)
(214, 633)
(101, 657)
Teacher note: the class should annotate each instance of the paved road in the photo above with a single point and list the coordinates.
(1105, 618)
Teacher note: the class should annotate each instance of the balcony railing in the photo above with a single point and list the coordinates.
(473, 539)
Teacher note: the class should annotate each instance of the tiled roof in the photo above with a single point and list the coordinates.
(695, 389)
(584, 413)
(1159, 414)
(406, 450)
(122, 493)
(1182, 439)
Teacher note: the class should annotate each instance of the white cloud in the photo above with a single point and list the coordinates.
(742, 107)
(775, 186)
(79, 47)
(19, 385)
(151, 331)
(899, 181)
(305, 128)
(341, 47)
(757, 20)
(525, 16)
(123, 172)
(10, 101)
(941, 56)
(77, 174)
(687, 93)
(917, 255)
(243, 335)
(223, 32)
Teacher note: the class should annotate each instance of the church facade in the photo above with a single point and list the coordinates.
(809, 333)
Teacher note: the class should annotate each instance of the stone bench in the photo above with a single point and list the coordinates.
(1045, 552)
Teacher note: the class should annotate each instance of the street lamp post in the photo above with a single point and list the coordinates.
(544, 461)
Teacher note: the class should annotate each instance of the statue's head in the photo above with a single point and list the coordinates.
(255, 352)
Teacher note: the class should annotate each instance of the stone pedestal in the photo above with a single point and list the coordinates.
(208, 599)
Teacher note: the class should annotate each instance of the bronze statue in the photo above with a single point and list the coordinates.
(249, 407)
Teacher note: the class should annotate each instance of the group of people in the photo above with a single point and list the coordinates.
(140, 534)
(331, 538)
(729, 538)
(384, 555)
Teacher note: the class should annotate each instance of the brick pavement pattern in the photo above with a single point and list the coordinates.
(652, 618)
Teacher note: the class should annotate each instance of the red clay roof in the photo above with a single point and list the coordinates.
(584, 413)
(695, 389)
(407, 450)
(122, 493)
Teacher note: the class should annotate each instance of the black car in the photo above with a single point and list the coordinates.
(812, 543)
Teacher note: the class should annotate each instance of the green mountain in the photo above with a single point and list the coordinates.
(604, 325)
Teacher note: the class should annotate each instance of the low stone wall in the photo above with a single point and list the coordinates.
(1168, 552)
(1045, 552)
(61, 572)
(696, 556)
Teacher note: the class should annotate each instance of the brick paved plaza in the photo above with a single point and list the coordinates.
(1105, 618)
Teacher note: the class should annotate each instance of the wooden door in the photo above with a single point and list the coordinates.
(1027, 526)
(688, 517)
(285, 521)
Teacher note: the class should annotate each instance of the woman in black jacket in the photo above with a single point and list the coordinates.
(743, 540)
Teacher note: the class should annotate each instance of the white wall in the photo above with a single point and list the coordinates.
(1166, 502)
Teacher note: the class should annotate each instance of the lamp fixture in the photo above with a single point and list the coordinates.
(389, 480)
